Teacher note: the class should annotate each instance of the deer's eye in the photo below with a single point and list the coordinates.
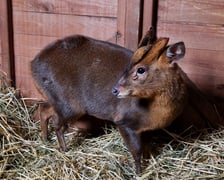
(141, 70)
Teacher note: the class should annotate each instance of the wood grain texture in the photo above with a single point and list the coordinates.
(4, 41)
(128, 23)
(63, 25)
(192, 11)
(147, 15)
(29, 45)
(199, 23)
(1, 42)
(105, 8)
(24, 80)
(1, 68)
(132, 24)
(195, 36)
(206, 69)
(121, 22)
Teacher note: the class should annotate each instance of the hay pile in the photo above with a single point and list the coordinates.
(24, 156)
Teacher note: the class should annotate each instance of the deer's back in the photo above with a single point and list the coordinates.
(78, 72)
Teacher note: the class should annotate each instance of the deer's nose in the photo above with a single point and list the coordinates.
(115, 91)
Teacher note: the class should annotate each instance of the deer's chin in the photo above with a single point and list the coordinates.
(125, 94)
(122, 96)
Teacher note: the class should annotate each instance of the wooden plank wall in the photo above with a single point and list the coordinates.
(200, 24)
(38, 22)
(128, 23)
(4, 41)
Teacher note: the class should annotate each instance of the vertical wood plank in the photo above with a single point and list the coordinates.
(128, 23)
(147, 15)
(132, 24)
(4, 41)
(121, 17)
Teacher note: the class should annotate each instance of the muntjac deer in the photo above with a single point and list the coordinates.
(76, 75)
(171, 98)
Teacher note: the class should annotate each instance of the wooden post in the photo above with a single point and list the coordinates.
(147, 15)
(4, 39)
(128, 23)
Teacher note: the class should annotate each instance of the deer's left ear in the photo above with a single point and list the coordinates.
(176, 51)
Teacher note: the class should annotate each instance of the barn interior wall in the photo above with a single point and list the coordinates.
(199, 23)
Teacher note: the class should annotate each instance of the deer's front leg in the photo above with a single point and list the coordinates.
(133, 142)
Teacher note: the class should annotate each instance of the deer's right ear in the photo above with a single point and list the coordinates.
(176, 51)
(149, 38)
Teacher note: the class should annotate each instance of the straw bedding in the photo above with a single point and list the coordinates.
(23, 155)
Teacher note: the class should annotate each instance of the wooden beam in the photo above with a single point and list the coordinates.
(147, 15)
(97, 8)
(197, 12)
(128, 23)
(121, 21)
(4, 41)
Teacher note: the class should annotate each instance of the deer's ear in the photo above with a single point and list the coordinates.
(145, 45)
(155, 50)
(147, 53)
(175, 51)
(139, 53)
(149, 38)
